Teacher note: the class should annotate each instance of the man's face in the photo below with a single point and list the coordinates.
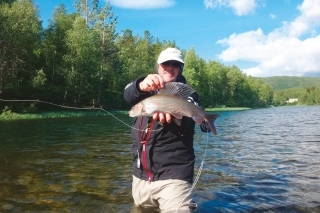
(169, 70)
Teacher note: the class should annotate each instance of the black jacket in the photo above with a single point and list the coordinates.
(169, 152)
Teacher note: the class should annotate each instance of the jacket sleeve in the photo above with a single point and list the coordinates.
(132, 93)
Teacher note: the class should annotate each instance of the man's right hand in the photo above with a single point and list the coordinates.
(152, 82)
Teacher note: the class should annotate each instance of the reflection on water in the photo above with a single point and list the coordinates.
(65, 165)
(264, 160)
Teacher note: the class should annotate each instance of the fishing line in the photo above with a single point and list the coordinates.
(95, 108)
(81, 108)
(198, 174)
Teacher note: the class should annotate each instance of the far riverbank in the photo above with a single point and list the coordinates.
(8, 115)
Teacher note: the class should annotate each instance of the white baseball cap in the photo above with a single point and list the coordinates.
(170, 54)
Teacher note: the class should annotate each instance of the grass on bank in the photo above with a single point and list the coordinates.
(8, 115)
(225, 109)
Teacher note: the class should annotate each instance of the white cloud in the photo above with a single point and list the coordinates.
(142, 4)
(240, 7)
(309, 18)
(282, 51)
(272, 16)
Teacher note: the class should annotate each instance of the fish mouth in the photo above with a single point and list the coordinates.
(131, 113)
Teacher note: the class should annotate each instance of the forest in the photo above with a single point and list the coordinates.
(81, 60)
(305, 89)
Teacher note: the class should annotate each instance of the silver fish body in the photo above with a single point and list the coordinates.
(174, 105)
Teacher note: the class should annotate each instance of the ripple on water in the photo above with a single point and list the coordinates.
(264, 160)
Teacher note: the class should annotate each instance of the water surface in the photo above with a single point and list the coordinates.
(265, 160)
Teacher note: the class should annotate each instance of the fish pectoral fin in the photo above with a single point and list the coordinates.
(177, 115)
(177, 121)
(198, 120)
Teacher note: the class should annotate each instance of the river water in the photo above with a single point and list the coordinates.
(264, 160)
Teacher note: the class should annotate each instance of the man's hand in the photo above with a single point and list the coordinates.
(162, 117)
(154, 82)
(151, 83)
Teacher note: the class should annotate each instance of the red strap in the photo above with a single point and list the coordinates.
(144, 152)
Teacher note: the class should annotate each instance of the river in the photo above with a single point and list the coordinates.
(263, 160)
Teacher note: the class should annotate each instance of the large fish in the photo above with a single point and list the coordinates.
(172, 99)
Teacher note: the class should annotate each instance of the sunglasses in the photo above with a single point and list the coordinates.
(171, 63)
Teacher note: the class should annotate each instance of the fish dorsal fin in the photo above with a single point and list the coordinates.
(178, 89)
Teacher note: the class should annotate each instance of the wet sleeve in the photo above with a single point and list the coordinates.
(204, 126)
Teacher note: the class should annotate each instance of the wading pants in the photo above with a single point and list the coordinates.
(169, 196)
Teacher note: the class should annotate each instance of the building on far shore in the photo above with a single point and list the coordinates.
(292, 100)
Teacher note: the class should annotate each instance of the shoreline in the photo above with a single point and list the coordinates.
(58, 114)
(224, 109)
(6, 116)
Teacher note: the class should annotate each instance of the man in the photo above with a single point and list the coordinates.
(163, 155)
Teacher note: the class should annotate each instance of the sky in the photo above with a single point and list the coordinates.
(263, 38)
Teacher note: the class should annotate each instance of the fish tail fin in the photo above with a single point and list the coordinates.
(210, 120)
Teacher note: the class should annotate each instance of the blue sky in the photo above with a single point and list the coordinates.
(261, 37)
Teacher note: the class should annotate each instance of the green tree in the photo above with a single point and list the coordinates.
(235, 85)
(103, 22)
(88, 10)
(218, 89)
(6, 1)
(137, 56)
(194, 70)
(126, 46)
(20, 38)
(82, 61)
(312, 96)
(54, 49)
(265, 94)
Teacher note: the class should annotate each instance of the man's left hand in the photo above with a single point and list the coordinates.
(162, 117)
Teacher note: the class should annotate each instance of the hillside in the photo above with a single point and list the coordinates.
(291, 82)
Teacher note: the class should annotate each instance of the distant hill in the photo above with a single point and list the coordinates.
(291, 82)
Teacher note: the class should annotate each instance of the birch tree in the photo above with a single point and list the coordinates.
(20, 38)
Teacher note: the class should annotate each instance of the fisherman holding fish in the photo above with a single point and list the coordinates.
(166, 110)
